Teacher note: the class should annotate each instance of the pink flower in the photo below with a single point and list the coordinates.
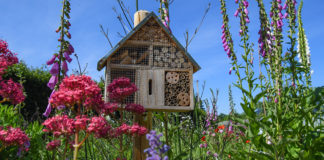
(59, 125)
(78, 90)
(236, 13)
(121, 88)
(99, 126)
(81, 122)
(136, 108)
(14, 137)
(53, 145)
(12, 91)
(107, 108)
(68, 34)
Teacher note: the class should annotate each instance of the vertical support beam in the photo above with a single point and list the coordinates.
(140, 142)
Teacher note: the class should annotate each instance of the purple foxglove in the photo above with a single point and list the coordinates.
(224, 41)
(67, 57)
(246, 11)
(286, 15)
(70, 49)
(52, 82)
(64, 66)
(228, 53)
(223, 26)
(247, 20)
(55, 69)
(279, 7)
(51, 61)
(236, 13)
(165, 24)
(223, 36)
(48, 108)
(285, 6)
(167, 19)
(246, 3)
(276, 100)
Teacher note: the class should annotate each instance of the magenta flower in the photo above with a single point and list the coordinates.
(70, 49)
(55, 69)
(52, 82)
(65, 66)
(236, 13)
(67, 57)
(246, 11)
(51, 61)
(48, 108)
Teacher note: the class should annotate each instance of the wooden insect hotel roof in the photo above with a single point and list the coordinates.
(154, 21)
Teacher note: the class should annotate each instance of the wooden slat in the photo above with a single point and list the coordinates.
(158, 90)
(146, 43)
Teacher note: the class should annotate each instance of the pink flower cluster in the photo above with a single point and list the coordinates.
(77, 90)
(107, 108)
(9, 90)
(59, 125)
(14, 137)
(135, 108)
(99, 126)
(133, 130)
(53, 145)
(12, 91)
(121, 88)
(63, 125)
(7, 58)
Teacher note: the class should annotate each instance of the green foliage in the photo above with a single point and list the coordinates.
(35, 87)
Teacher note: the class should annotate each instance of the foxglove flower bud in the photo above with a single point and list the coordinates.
(70, 49)
(67, 57)
(55, 69)
(64, 66)
(52, 82)
(51, 61)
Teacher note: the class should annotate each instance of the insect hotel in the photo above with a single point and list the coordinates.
(152, 58)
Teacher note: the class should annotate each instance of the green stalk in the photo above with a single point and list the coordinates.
(62, 43)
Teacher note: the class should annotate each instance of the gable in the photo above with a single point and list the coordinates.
(150, 43)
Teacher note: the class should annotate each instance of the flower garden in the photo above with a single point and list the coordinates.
(282, 112)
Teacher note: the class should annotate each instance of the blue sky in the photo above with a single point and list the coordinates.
(29, 28)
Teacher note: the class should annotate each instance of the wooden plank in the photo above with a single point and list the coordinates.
(146, 43)
(143, 56)
(158, 90)
(191, 90)
(129, 66)
(143, 87)
(140, 142)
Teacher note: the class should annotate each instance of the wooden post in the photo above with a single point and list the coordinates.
(140, 142)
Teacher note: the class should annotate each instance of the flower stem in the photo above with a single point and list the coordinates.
(62, 43)
(76, 146)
